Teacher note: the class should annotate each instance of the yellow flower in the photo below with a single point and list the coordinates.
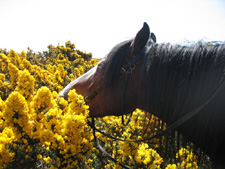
(23, 56)
(17, 112)
(47, 159)
(39, 156)
(43, 99)
(2, 78)
(25, 84)
(14, 57)
(25, 64)
(77, 73)
(4, 61)
(14, 73)
(171, 166)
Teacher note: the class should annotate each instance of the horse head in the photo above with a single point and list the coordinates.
(111, 87)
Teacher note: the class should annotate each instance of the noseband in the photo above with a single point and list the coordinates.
(89, 97)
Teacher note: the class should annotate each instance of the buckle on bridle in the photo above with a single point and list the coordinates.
(132, 67)
(129, 70)
(90, 96)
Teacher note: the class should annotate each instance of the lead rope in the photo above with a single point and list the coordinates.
(102, 149)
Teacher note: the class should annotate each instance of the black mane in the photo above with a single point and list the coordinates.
(178, 80)
(179, 73)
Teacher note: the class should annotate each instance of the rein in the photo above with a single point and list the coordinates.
(101, 148)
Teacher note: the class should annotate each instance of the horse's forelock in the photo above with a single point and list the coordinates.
(114, 61)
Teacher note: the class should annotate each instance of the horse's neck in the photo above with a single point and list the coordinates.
(176, 85)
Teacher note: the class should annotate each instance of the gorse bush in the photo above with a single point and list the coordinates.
(36, 129)
(39, 130)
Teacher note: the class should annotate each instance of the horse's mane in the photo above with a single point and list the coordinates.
(179, 79)
(178, 73)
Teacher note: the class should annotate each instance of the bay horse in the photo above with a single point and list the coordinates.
(182, 85)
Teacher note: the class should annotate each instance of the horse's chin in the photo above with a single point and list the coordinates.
(97, 114)
(101, 114)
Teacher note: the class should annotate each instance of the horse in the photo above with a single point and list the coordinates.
(182, 85)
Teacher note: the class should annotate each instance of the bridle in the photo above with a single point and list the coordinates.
(127, 70)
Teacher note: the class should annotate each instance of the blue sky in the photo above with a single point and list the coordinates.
(97, 25)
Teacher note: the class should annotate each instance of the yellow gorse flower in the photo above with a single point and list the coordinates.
(14, 57)
(30, 117)
(16, 114)
(4, 61)
(2, 78)
(25, 84)
(14, 74)
(6, 137)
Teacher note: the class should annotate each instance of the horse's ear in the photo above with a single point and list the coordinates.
(153, 37)
(140, 40)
